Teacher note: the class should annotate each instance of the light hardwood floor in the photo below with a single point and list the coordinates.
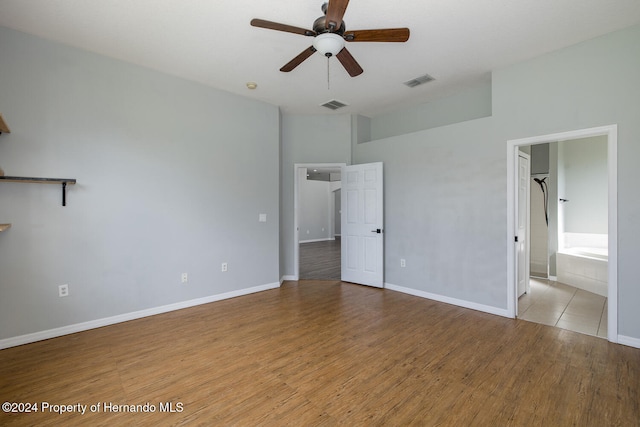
(328, 353)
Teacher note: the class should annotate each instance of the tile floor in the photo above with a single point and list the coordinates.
(556, 304)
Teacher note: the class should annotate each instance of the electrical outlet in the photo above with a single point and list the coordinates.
(185, 278)
(403, 263)
(63, 291)
(224, 266)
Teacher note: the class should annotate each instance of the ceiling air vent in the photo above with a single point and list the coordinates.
(334, 104)
(419, 80)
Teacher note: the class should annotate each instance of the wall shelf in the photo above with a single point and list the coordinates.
(4, 227)
(31, 180)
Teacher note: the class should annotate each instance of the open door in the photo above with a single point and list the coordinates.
(362, 225)
(523, 215)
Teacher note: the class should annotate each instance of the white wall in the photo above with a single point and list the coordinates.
(585, 181)
(315, 210)
(170, 180)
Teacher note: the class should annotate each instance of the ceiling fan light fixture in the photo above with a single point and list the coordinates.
(328, 44)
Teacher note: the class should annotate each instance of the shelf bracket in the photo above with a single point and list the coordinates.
(64, 193)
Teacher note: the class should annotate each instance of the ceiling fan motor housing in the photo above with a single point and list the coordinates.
(320, 26)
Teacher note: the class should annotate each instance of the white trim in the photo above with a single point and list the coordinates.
(98, 323)
(611, 132)
(296, 232)
(448, 300)
(326, 239)
(630, 341)
(287, 277)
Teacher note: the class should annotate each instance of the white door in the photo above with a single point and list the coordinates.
(362, 225)
(522, 224)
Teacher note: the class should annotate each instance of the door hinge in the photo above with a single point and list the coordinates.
(516, 239)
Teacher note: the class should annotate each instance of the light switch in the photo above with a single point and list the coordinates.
(262, 218)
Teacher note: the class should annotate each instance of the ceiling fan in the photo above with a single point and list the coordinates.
(329, 33)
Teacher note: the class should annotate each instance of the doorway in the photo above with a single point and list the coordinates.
(316, 229)
(513, 147)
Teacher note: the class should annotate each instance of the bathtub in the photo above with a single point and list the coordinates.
(584, 268)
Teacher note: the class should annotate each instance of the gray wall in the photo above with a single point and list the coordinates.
(539, 159)
(170, 180)
(445, 188)
(590, 84)
(468, 104)
(307, 139)
(149, 152)
(444, 212)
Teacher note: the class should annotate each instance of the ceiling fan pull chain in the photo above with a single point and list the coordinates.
(328, 79)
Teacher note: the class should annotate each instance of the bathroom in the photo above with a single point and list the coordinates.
(568, 231)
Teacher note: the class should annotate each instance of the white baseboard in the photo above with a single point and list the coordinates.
(326, 239)
(284, 278)
(624, 340)
(454, 301)
(630, 341)
(553, 278)
(98, 323)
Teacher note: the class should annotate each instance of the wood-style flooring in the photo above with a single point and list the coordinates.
(317, 353)
(320, 260)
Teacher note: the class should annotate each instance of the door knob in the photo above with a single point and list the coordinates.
(377, 230)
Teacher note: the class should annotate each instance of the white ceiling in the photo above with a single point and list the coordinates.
(210, 41)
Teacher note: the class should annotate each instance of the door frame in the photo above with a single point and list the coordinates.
(611, 132)
(296, 201)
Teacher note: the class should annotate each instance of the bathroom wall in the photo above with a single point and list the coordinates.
(585, 185)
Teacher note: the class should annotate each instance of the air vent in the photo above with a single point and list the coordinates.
(419, 80)
(334, 104)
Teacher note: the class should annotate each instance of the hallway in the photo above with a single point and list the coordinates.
(320, 260)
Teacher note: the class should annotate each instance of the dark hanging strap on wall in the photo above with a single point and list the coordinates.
(545, 195)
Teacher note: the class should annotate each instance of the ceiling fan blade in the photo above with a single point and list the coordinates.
(349, 63)
(261, 23)
(381, 35)
(298, 59)
(335, 12)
